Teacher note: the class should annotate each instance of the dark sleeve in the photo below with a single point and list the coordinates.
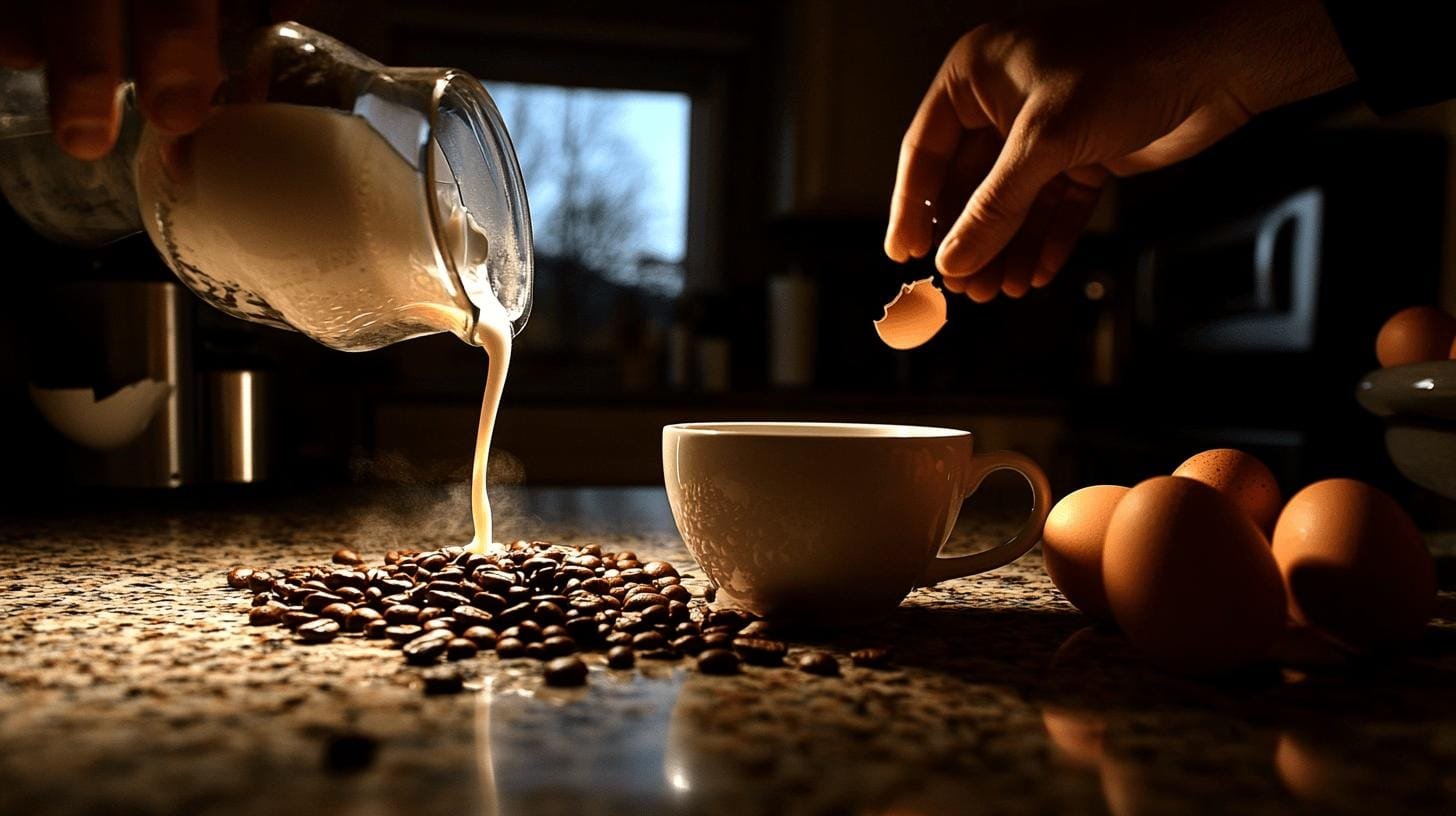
(1404, 51)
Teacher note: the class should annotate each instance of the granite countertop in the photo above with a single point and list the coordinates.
(131, 682)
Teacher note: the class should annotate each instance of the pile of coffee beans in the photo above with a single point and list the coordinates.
(534, 600)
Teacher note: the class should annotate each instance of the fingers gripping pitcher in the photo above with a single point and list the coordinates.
(356, 203)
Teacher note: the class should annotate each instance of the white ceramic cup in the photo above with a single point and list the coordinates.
(831, 523)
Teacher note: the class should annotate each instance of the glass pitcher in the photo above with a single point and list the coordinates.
(356, 203)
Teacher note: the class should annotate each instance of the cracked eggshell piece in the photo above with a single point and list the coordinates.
(914, 316)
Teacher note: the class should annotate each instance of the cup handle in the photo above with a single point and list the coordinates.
(943, 569)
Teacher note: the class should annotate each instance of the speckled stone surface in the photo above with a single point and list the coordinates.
(131, 683)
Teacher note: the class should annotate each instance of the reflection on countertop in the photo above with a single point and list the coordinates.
(130, 682)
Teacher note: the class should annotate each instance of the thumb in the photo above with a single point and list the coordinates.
(1028, 160)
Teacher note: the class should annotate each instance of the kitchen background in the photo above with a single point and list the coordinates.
(709, 184)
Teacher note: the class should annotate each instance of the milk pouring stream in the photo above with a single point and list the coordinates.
(318, 211)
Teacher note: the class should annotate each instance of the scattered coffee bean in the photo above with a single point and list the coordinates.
(820, 663)
(295, 618)
(321, 630)
(269, 614)
(565, 671)
(460, 649)
(621, 657)
(403, 633)
(483, 637)
(872, 658)
(760, 651)
(344, 555)
(508, 647)
(718, 661)
(689, 644)
(444, 681)
(359, 619)
(426, 649)
(533, 600)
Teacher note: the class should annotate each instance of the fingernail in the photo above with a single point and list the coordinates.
(85, 140)
(179, 108)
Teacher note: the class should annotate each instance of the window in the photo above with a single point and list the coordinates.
(607, 179)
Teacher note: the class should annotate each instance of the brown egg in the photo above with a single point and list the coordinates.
(1355, 564)
(1415, 335)
(1071, 545)
(1189, 578)
(1242, 478)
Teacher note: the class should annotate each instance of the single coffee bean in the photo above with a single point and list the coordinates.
(345, 578)
(495, 581)
(677, 611)
(820, 663)
(656, 615)
(662, 654)
(537, 651)
(429, 613)
(554, 630)
(559, 646)
(336, 611)
(619, 639)
(531, 566)
(393, 586)
(734, 619)
(444, 681)
(595, 586)
(633, 575)
(344, 555)
(446, 600)
(515, 614)
(508, 647)
(296, 618)
(686, 628)
(269, 614)
(718, 640)
(351, 595)
(643, 600)
(432, 563)
(426, 648)
(531, 631)
(488, 601)
(621, 657)
(376, 630)
(468, 616)
(322, 630)
(548, 613)
(649, 640)
(401, 614)
(438, 624)
(317, 601)
(237, 577)
(760, 651)
(392, 557)
(439, 585)
(359, 619)
(403, 633)
(676, 593)
(659, 569)
(667, 581)
(689, 644)
(718, 661)
(460, 649)
(871, 658)
(565, 671)
(583, 630)
(483, 637)
(260, 581)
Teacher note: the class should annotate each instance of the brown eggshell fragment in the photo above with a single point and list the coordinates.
(1072, 547)
(1190, 579)
(914, 316)
(1414, 335)
(1355, 564)
(1242, 478)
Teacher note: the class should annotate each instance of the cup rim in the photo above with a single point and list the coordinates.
(765, 429)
